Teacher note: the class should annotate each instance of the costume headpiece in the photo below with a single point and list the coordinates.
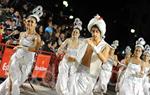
(77, 24)
(99, 22)
(140, 43)
(115, 44)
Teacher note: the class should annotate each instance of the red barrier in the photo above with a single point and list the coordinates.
(5, 61)
(41, 66)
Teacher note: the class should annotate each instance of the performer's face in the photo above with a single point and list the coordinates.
(146, 57)
(75, 33)
(138, 51)
(128, 55)
(31, 23)
(95, 32)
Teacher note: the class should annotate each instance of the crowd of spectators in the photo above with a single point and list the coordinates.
(12, 22)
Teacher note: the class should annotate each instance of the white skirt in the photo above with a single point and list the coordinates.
(19, 69)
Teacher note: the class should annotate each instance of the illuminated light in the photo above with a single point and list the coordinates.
(65, 3)
(71, 17)
(132, 30)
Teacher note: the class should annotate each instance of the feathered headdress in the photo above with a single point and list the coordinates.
(115, 44)
(77, 24)
(99, 22)
(147, 49)
(140, 43)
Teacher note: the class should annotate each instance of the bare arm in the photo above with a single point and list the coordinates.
(62, 47)
(103, 56)
(116, 61)
(36, 44)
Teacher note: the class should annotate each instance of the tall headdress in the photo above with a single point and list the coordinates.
(37, 13)
(99, 22)
(115, 44)
(147, 49)
(77, 24)
(140, 43)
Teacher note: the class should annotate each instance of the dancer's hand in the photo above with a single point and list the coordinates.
(15, 48)
(71, 59)
(140, 74)
(90, 42)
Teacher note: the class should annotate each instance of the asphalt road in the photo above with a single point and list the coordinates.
(26, 89)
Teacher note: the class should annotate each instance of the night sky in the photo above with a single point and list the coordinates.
(120, 17)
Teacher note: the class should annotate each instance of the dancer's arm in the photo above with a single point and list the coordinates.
(62, 47)
(104, 54)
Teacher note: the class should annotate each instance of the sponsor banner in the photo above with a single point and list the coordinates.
(41, 66)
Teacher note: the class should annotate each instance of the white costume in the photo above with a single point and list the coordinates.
(20, 66)
(132, 81)
(121, 72)
(104, 76)
(132, 84)
(106, 72)
(146, 83)
(66, 69)
(83, 81)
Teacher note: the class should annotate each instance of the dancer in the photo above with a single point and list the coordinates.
(70, 62)
(146, 59)
(106, 70)
(22, 60)
(132, 83)
(95, 52)
(122, 67)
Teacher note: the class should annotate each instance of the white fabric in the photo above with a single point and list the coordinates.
(99, 22)
(131, 84)
(146, 83)
(66, 69)
(83, 81)
(20, 66)
(104, 76)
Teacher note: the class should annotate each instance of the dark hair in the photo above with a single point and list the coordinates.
(95, 27)
(33, 17)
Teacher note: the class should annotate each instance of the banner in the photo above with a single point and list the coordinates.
(5, 62)
(41, 66)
